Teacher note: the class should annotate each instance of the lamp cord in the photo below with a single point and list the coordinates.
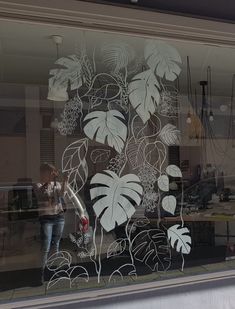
(189, 83)
(57, 51)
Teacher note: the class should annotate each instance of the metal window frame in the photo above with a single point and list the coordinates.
(127, 21)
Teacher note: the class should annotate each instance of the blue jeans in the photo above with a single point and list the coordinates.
(51, 233)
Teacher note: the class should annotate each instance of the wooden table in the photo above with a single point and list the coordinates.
(218, 212)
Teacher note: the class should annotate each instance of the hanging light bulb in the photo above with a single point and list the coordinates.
(223, 108)
(188, 120)
(211, 116)
(54, 123)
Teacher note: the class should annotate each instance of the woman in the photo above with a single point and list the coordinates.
(50, 194)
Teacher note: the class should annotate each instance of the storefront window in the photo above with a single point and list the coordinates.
(116, 162)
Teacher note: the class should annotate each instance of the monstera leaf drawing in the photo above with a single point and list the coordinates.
(163, 59)
(117, 55)
(115, 197)
(69, 74)
(103, 126)
(144, 94)
(170, 135)
(152, 248)
(179, 238)
(75, 165)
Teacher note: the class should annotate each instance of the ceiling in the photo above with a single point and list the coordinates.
(27, 53)
(209, 9)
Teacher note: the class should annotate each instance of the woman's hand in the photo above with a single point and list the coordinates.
(54, 175)
(84, 224)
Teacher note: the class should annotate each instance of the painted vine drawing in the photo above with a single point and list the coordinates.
(125, 111)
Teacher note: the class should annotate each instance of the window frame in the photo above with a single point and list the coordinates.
(127, 21)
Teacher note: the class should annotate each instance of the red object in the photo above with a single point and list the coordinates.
(85, 224)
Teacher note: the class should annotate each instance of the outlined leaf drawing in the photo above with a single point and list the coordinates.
(59, 277)
(141, 222)
(100, 155)
(117, 56)
(105, 94)
(117, 247)
(163, 183)
(69, 276)
(75, 165)
(174, 171)
(68, 75)
(87, 70)
(123, 271)
(152, 248)
(163, 59)
(144, 94)
(135, 152)
(115, 197)
(77, 272)
(170, 135)
(106, 127)
(179, 238)
(61, 259)
(169, 204)
(138, 223)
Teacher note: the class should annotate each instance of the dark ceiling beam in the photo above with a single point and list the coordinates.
(206, 9)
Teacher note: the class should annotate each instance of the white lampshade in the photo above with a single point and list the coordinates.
(57, 94)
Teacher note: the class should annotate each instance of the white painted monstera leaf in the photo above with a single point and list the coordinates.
(163, 59)
(179, 238)
(144, 94)
(69, 74)
(115, 197)
(106, 126)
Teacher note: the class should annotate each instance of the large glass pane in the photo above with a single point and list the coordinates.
(116, 161)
